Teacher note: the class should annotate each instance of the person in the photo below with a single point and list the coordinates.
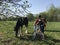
(39, 25)
(42, 24)
(45, 22)
(36, 26)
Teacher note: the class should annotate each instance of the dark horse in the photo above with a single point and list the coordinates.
(20, 22)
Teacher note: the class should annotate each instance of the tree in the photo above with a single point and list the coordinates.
(51, 13)
(52, 10)
(7, 7)
(30, 16)
(44, 14)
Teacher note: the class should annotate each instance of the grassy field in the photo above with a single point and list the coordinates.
(7, 35)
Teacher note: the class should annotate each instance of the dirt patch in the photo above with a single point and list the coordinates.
(1, 33)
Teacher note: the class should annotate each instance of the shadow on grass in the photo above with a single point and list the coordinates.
(29, 37)
(48, 39)
(52, 30)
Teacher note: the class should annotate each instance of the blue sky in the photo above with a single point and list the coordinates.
(42, 5)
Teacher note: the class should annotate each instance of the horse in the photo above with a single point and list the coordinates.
(19, 25)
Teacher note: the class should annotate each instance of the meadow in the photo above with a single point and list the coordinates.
(7, 34)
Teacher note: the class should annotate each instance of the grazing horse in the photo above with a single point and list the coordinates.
(19, 25)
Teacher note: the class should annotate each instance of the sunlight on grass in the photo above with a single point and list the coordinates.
(7, 34)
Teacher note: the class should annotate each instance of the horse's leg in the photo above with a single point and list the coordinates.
(26, 27)
(26, 30)
(21, 30)
(16, 33)
(16, 30)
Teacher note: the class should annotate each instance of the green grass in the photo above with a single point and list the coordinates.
(7, 34)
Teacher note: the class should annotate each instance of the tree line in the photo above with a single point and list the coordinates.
(51, 14)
